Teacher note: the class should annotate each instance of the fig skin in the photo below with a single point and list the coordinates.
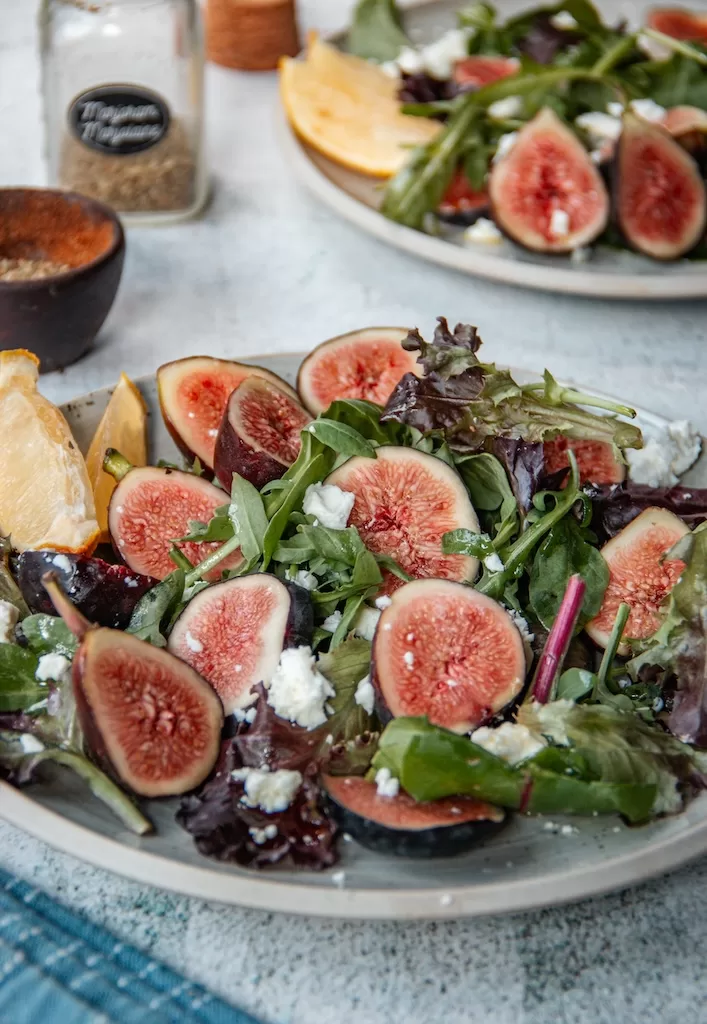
(224, 628)
(443, 834)
(107, 750)
(238, 449)
(226, 374)
(459, 707)
(548, 156)
(650, 535)
(660, 224)
(104, 593)
(369, 366)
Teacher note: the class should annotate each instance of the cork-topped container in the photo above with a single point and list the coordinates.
(123, 104)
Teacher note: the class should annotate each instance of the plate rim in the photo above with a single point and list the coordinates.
(265, 891)
(653, 286)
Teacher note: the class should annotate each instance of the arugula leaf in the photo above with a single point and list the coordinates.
(155, 609)
(48, 634)
(218, 529)
(565, 552)
(9, 591)
(376, 31)
(345, 667)
(19, 690)
(247, 515)
(341, 437)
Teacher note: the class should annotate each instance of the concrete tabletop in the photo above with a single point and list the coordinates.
(267, 270)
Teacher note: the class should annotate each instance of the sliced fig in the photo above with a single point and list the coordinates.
(104, 593)
(545, 192)
(151, 508)
(405, 501)
(639, 574)
(679, 23)
(661, 203)
(461, 203)
(193, 396)
(233, 633)
(596, 460)
(400, 826)
(445, 651)
(688, 126)
(259, 436)
(363, 364)
(473, 72)
(147, 716)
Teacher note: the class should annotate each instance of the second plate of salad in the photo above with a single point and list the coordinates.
(561, 147)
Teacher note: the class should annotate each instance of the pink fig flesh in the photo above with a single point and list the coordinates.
(194, 393)
(149, 718)
(596, 460)
(233, 633)
(661, 201)
(151, 507)
(405, 501)
(545, 192)
(259, 436)
(364, 364)
(447, 652)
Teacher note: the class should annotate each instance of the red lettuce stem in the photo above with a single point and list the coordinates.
(558, 641)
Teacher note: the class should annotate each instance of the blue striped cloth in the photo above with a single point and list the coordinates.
(58, 968)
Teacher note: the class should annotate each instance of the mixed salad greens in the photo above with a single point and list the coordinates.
(560, 129)
(446, 604)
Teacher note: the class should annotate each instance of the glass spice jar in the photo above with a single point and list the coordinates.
(122, 83)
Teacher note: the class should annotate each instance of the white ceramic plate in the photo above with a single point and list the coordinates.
(610, 274)
(524, 866)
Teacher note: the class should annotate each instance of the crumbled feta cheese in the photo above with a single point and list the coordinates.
(54, 667)
(521, 625)
(483, 232)
(339, 878)
(8, 620)
(510, 741)
(615, 108)
(366, 622)
(410, 61)
(386, 784)
(493, 563)
(383, 602)
(649, 110)
(390, 68)
(559, 223)
(192, 643)
(409, 658)
(245, 715)
(261, 835)
(658, 705)
(439, 58)
(599, 126)
(30, 744)
(270, 791)
(365, 695)
(237, 668)
(581, 255)
(563, 20)
(666, 454)
(331, 506)
(409, 637)
(303, 578)
(331, 622)
(511, 106)
(505, 145)
(297, 690)
(212, 433)
(62, 563)
(652, 48)
(131, 583)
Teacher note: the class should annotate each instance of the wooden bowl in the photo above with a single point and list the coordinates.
(59, 316)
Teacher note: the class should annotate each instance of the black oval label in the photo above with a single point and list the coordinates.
(119, 119)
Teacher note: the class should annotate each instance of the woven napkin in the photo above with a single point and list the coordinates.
(58, 968)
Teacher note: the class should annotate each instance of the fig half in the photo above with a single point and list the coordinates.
(151, 508)
(639, 574)
(403, 827)
(193, 396)
(545, 192)
(363, 364)
(688, 126)
(660, 196)
(679, 23)
(405, 501)
(444, 651)
(596, 460)
(259, 436)
(233, 633)
(478, 70)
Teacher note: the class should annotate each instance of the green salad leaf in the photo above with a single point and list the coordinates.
(376, 31)
(566, 550)
(155, 609)
(48, 634)
(19, 689)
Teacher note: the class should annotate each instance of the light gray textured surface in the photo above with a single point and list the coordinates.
(267, 270)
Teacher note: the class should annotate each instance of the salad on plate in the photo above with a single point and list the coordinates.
(553, 130)
(395, 605)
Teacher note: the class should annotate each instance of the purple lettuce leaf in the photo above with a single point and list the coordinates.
(543, 41)
(616, 505)
(524, 462)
